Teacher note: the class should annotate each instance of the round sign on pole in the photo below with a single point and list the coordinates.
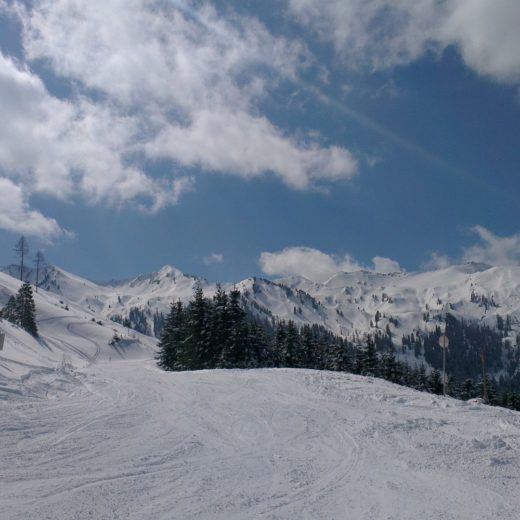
(444, 341)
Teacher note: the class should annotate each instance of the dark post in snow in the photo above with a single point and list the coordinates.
(22, 250)
(39, 262)
(443, 343)
(484, 382)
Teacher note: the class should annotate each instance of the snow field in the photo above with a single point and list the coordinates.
(126, 440)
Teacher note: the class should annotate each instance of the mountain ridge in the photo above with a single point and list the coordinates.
(347, 303)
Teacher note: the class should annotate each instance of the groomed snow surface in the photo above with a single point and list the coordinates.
(93, 431)
(125, 440)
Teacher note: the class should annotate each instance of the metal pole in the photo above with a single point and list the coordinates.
(444, 357)
(484, 386)
(444, 371)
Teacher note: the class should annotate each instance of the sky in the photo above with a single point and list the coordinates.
(242, 138)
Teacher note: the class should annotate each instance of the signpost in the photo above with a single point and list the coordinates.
(484, 386)
(444, 343)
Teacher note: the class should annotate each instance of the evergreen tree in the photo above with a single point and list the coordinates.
(233, 354)
(467, 390)
(309, 347)
(370, 365)
(219, 327)
(262, 353)
(291, 348)
(170, 356)
(435, 382)
(279, 344)
(11, 312)
(421, 379)
(388, 368)
(27, 309)
(197, 347)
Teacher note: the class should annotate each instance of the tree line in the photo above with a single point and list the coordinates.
(217, 332)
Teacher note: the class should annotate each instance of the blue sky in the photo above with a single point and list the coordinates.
(260, 138)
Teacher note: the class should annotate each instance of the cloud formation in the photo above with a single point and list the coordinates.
(213, 258)
(149, 81)
(436, 261)
(16, 215)
(382, 34)
(493, 249)
(316, 265)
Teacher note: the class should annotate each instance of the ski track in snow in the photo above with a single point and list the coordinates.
(123, 439)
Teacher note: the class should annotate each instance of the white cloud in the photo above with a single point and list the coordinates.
(150, 80)
(385, 265)
(487, 35)
(315, 265)
(16, 216)
(437, 261)
(63, 148)
(382, 34)
(493, 249)
(191, 78)
(250, 146)
(213, 258)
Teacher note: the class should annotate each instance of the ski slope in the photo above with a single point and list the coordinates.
(89, 430)
(70, 337)
(124, 440)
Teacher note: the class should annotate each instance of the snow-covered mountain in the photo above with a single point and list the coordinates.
(348, 303)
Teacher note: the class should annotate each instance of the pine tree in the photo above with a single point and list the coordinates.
(309, 347)
(340, 359)
(435, 382)
(220, 327)
(421, 379)
(171, 342)
(264, 354)
(11, 312)
(370, 367)
(233, 352)
(468, 390)
(291, 347)
(279, 344)
(196, 349)
(388, 368)
(27, 309)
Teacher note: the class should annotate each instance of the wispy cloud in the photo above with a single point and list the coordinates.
(493, 249)
(213, 258)
(490, 249)
(436, 261)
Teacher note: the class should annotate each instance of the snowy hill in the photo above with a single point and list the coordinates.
(71, 337)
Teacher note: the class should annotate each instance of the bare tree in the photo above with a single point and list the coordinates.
(39, 262)
(21, 249)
